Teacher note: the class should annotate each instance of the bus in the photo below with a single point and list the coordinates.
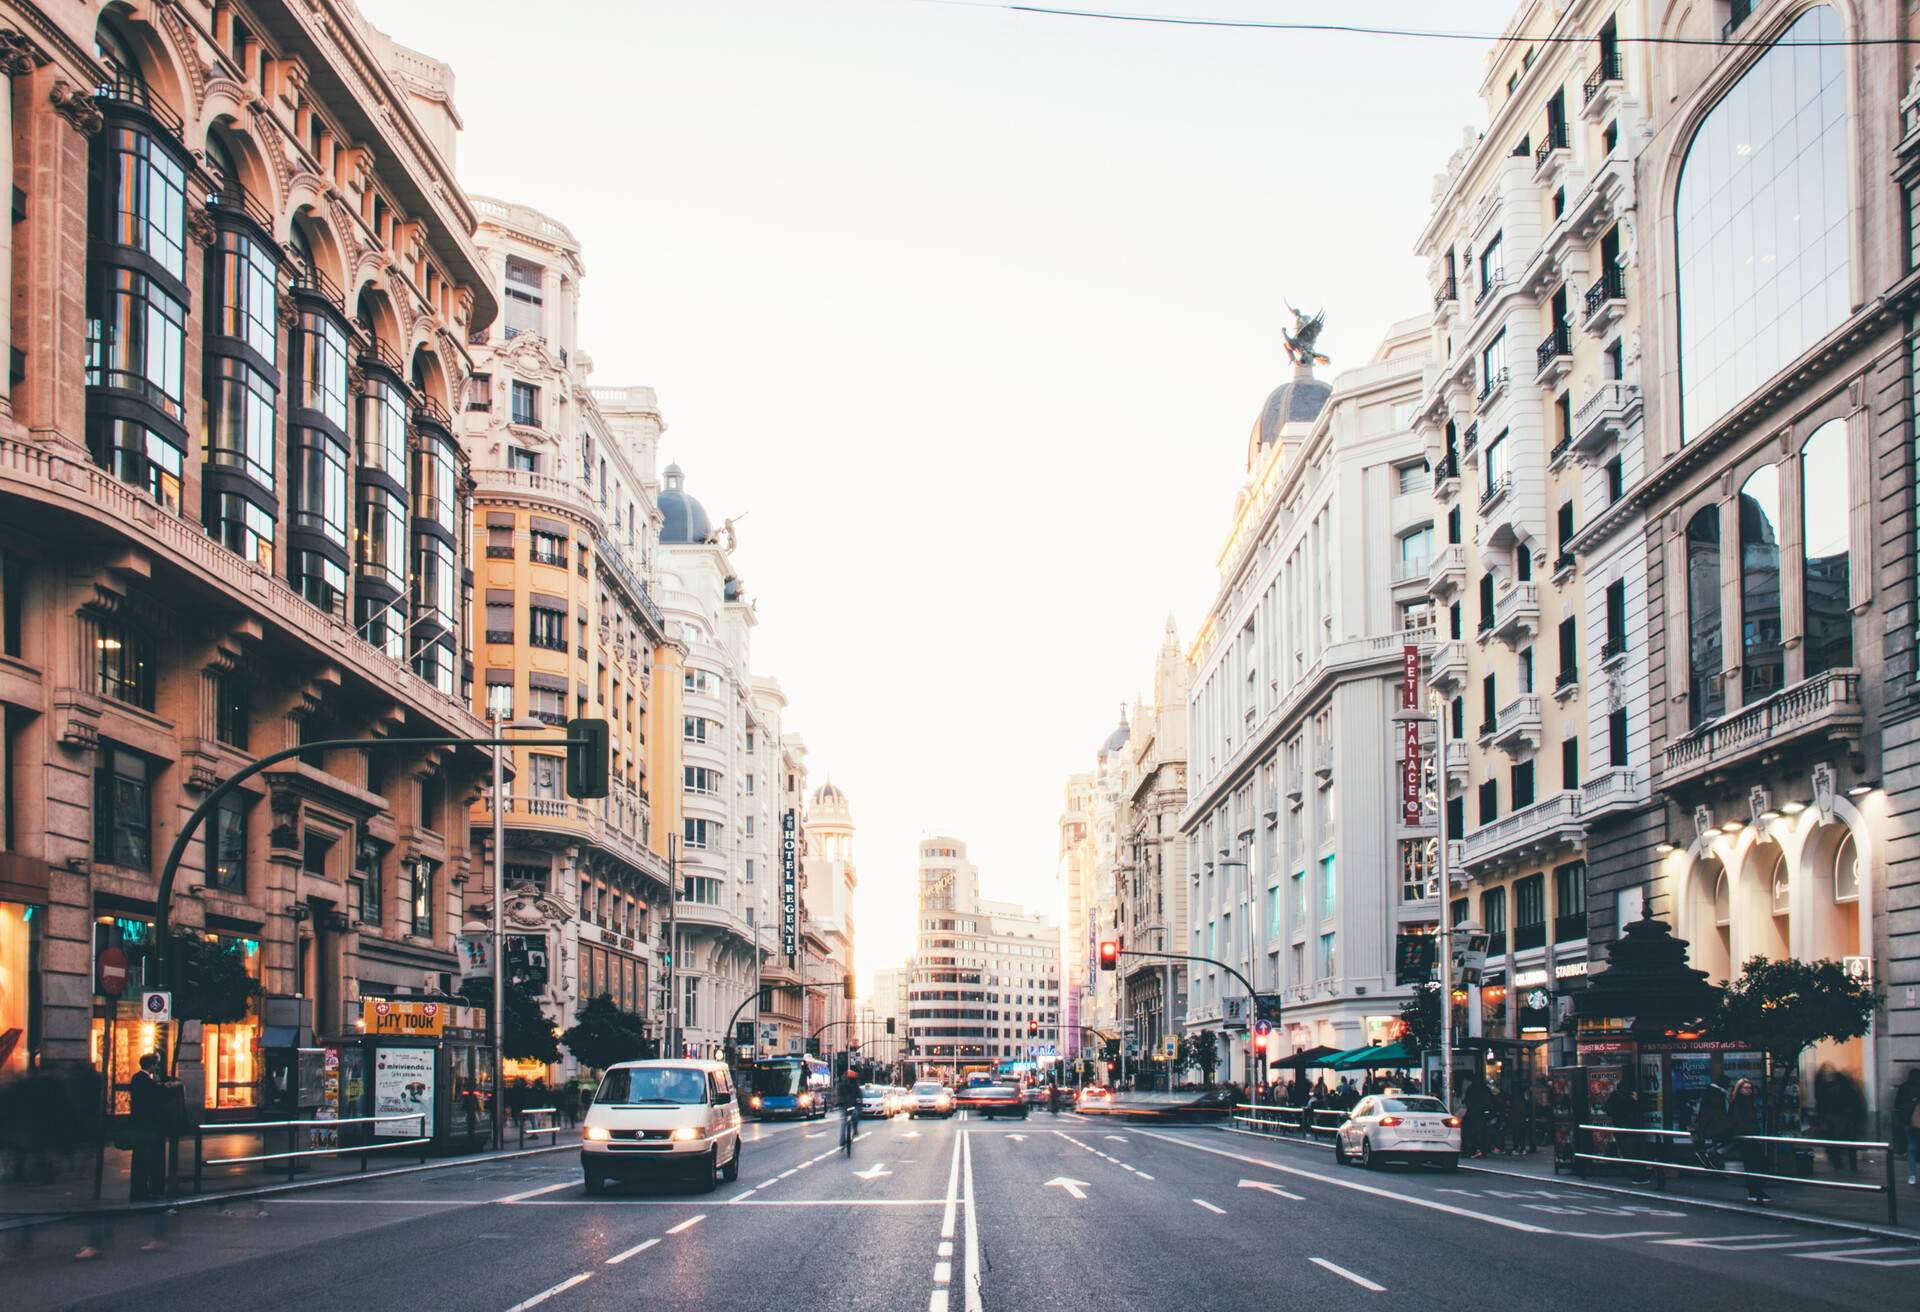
(786, 1088)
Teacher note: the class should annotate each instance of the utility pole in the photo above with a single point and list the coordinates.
(669, 1049)
(498, 939)
(1443, 968)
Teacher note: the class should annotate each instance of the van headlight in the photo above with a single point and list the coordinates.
(685, 1132)
(597, 1134)
(806, 1100)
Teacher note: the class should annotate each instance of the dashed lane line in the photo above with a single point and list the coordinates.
(535, 1193)
(1345, 1274)
(635, 1251)
(546, 1294)
(687, 1224)
(1217, 1211)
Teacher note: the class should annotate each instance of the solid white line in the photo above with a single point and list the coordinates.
(1361, 1281)
(1217, 1211)
(953, 1192)
(618, 1258)
(535, 1193)
(687, 1224)
(1859, 1256)
(750, 1202)
(546, 1294)
(1506, 1223)
(973, 1231)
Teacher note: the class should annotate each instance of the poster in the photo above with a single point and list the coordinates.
(329, 1108)
(402, 1082)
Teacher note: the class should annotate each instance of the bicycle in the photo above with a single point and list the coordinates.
(849, 1119)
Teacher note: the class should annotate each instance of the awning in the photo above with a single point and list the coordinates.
(1374, 1058)
(1305, 1059)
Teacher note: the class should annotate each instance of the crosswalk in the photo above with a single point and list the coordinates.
(1857, 1251)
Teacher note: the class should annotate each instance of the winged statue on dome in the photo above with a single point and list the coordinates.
(1306, 331)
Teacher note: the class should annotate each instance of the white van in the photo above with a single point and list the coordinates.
(654, 1117)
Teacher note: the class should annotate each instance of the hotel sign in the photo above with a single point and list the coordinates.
(790, 884)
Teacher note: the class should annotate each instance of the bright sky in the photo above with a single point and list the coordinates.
(968, 312)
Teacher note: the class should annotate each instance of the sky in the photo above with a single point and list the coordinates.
(964, 314)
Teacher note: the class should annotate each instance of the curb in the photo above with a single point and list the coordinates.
(26, 1220)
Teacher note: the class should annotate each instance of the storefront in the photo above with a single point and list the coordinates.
(22, 931)
(229, 1052)
(425, 1054)
(120, 1035)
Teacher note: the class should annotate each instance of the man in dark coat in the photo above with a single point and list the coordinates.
(147, 1098)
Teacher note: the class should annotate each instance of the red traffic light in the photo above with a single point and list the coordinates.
(1033, 1027)
(1109, 954)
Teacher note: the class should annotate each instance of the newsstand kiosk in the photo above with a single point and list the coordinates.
(424, 1053)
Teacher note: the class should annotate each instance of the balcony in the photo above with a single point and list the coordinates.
(1518, 728)
(1566, 683)
(1447, 296)
(1613, 650)
(1449, 671)
(1488, 286)
(1548, 825)
(1554, 357)
(1606, 299)
(1561, 450)
(1491, 387)
(1516, 613)
(1448, 573)
(1457, 762)
(1470, 443)
(1601, 91)
(1564, 564)
(1605, 417)
(1606, 197)
(1620, 788)
(1495, 489)
(622, 829)
(1826, 706)
(1551, 156)
(1570, 928)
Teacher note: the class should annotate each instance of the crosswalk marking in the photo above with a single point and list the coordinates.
(1909, 1255)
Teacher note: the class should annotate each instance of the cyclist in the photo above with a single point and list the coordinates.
(1053, 1097)
(849, 1109)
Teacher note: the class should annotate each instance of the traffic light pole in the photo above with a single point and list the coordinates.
(1253, 997)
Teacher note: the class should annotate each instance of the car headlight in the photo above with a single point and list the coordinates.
(806, 1100)
(597, 1134)
(754, 1101)
(685, 1132)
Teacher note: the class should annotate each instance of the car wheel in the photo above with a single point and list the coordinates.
(731, 1171)
(1340, 1157)
(593, 1184)
(1366, 1154)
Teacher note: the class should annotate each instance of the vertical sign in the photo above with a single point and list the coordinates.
(789, 885)
(1409, 677)
(1410, 806)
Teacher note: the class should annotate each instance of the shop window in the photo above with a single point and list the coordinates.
(22, 927)
(123, 808)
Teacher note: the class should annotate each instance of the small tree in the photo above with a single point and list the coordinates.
(603, 1034)
(1200, 1049)
(214, 984)
(1782, 1008)
(527, 1034)
(1421, 1014)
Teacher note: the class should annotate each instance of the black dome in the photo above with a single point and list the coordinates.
(1298, 400)
(682, 519)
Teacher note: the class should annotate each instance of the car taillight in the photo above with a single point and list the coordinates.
(1453, 1122)
(1389, 1121)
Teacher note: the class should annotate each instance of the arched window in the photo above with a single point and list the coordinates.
(1760, 222)
(1762, 663)
(1846, 872)
(1825, 498)
(123, 70)
(1705, 698)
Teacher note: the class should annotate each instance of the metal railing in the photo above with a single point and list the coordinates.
(1556, 139)
(1607, 70)
(1449, 291)
(525, 1113)
(293, 1156)
(1611, 285)
(1697, 1160)
(1288, 1121)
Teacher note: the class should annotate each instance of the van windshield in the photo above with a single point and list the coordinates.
(656, 1084)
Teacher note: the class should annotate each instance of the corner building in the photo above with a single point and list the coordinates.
(233, 513)
(1300, 867)
(1532, 416)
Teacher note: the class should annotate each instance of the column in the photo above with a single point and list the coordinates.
(14, 62)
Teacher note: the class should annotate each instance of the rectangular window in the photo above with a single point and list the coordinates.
(1522, 784)
(548, 705)
(546, 776)
(13, 604)
(1326, 961)
(122, 808)
(1617, 739)
(1489, 802)
(420, 896)
(547, 628)
(1410, 478)
(1569, 653)
(521, 306)
(227, 845)
(123, 662)
(369, 862)
(1329, 888)
(479, 391)
(1491, 268)
(1298, 898)
(1616, 480)
(523, 460)
(548, 548)
(1570, 901)
(1458, 716)
(1616, 618)
(526, 404)
(1416, 865)
(1489, 704)
(500, 541)
(499, 621)
(748, 781)
(694, 729)
(701, 834)
(1453, 526)
(1453, 621)
(1570, 763)
(1498, 465)
(1493, 364)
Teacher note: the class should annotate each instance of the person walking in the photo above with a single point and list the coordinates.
(1839, 1111)
(1743, 1122)
(1906, 1121)
(1624, 1111)
(147, 1104)
(1477, 1102)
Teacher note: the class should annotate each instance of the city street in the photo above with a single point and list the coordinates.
(1065, 1212)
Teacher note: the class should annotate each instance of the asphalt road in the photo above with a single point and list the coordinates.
(962, 1216)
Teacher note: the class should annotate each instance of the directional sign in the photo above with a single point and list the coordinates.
(1074, 1187)
(873, 1172)
(1018, 1138)
(1262, 1028)
(156, 1006)
(1274, 1189)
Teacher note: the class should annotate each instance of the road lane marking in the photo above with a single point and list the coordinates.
(1338, 1270)
(635, 1251)
(945, 1249)
(741, 1198)
(873, 1172)
(546, 1294)
(1910, 1256)
(1143, 1175)
(942, 1272)
(1117, 1138)
(784, 1174)
(1074, 1187)
(973, 1231)
(1746, 1243)
(687, 1224)
(937, 1301)
(772, 1181)
(953, 1192)
(751, 1202)
(535, 1193)
(1432, 1204)
(1266, 1187)
(1217, 1211)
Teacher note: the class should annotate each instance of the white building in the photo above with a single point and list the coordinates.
(1076, 871)
(1301, 870)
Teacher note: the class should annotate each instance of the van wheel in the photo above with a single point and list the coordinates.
(731, 1171)
(703, 1181)
(593, 1183)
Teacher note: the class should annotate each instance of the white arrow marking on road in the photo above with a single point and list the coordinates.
(1116, 1138)
(873, 1172)
(1272, 1189)
(816, 1134)
(1341, 1271)
(1071, 1186)
(1018, 1138)
(910, 1134)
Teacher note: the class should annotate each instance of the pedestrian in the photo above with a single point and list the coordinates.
(570, 1102)
(1839, 1111)
(1477, 1103)
(1520, 1116)
(147, 1104)
(1906, 1120)
(1624, 1111)
(1743, 1122)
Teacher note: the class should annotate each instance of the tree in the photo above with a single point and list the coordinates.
(1200, 1049)
(214, 984)
(1421, 1014)
(1782, 1008)
(603, 1034)
(528, 1033)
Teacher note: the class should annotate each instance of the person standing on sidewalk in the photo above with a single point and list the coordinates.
(147, 1102)
(1906, 1121)
(1743, 1122)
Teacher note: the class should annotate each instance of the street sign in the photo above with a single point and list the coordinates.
(113, 972)
(790, 884)
(1413, 958)
(1262, 1027)
(156, 1006)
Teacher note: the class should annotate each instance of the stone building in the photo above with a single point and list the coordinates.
(1151, 885)
(1301, 866)
(1076, 872)
(233, 513)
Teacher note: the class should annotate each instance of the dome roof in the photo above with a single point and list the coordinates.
(1118, 738)
(682, 518)
(1296, 401)
(827, 795)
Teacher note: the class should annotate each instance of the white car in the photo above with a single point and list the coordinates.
(651, 1118)
(1400, 1126)
(876, 1100)
(902, 1099)
(931, 1098)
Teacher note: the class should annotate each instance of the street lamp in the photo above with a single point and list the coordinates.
(1243, 904)
(496, 1021)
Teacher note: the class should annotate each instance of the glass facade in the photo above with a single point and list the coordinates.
(1705, 698)
(1761, 222)
(240, 432)
(241, 286)
(320, 367)
(1762, 660)
(1825, 496)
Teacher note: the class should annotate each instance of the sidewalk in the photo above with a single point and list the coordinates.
(70, 1191)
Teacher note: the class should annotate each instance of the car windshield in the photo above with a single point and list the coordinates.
(675, 1085)
(928, 1086)
(1411, 1105)
(776, 1081)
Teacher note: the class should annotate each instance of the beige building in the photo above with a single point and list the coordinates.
(828, 881)
(1076, 873)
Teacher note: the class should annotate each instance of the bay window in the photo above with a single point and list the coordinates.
(1825, 495)
(1762, 658)
(240, 428)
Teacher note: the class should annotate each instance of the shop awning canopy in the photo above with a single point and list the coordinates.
(1374, 1058)
(1305, 1059)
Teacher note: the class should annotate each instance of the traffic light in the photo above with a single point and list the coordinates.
(889, 1024)
(1033, 1028)
(1109, 954)
(589, 758)
(847, 984)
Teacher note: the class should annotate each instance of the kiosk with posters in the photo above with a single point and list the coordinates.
(424, 1053)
